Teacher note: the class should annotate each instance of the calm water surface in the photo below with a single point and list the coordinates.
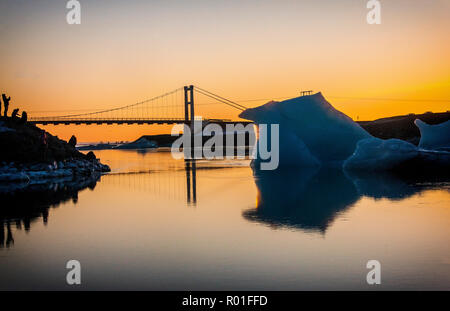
(156, 224)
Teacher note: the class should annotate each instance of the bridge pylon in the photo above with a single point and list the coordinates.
(189, 105)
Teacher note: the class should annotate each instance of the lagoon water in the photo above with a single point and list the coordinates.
(155, 223)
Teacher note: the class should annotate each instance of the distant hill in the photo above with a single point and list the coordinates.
(162, 140)
(141, 143)
(403, 127)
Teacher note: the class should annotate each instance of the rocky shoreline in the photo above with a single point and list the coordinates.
(33, 172)
(30, 155)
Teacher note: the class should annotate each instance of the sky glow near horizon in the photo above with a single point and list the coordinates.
(126, 51)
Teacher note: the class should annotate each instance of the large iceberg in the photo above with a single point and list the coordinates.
(434, 136)
(325, 135)
(313, 133)
(292, 150)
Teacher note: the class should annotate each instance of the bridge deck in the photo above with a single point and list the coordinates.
(126, 121)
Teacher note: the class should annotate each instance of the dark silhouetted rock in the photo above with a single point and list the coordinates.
(73, 141)
(91, 156)
(26, 143)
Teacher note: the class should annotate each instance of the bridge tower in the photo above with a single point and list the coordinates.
(189, 118)
(189, 105)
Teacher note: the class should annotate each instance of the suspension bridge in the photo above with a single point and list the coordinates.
(175, 107)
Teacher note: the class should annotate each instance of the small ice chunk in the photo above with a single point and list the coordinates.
(434, 136)
(374, 154)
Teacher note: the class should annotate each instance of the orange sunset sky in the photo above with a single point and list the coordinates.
(127, 51)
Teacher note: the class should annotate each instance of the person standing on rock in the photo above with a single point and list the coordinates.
(14, 113)
(23, 118)
(6, 103)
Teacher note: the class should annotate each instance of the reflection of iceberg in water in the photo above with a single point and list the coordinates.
(382, 185)
(306, 199)
(396, 186)
(312, 199)
(21, 206)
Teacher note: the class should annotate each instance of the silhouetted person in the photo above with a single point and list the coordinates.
(6, 103)
(24, 118)
(15, 113)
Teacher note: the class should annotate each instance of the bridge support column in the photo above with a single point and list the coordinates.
(189, 115)
(191, 180)
(189, 105)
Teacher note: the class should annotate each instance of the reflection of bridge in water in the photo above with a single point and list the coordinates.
(24, 207)
(179, 184)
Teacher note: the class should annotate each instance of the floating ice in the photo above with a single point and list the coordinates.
(292, 151)
(314, 133)
(374, 154)
(434, 136)
(320, 130)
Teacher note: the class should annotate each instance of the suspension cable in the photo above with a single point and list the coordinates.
(222, 101)
(119, 108)
(220, 98)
